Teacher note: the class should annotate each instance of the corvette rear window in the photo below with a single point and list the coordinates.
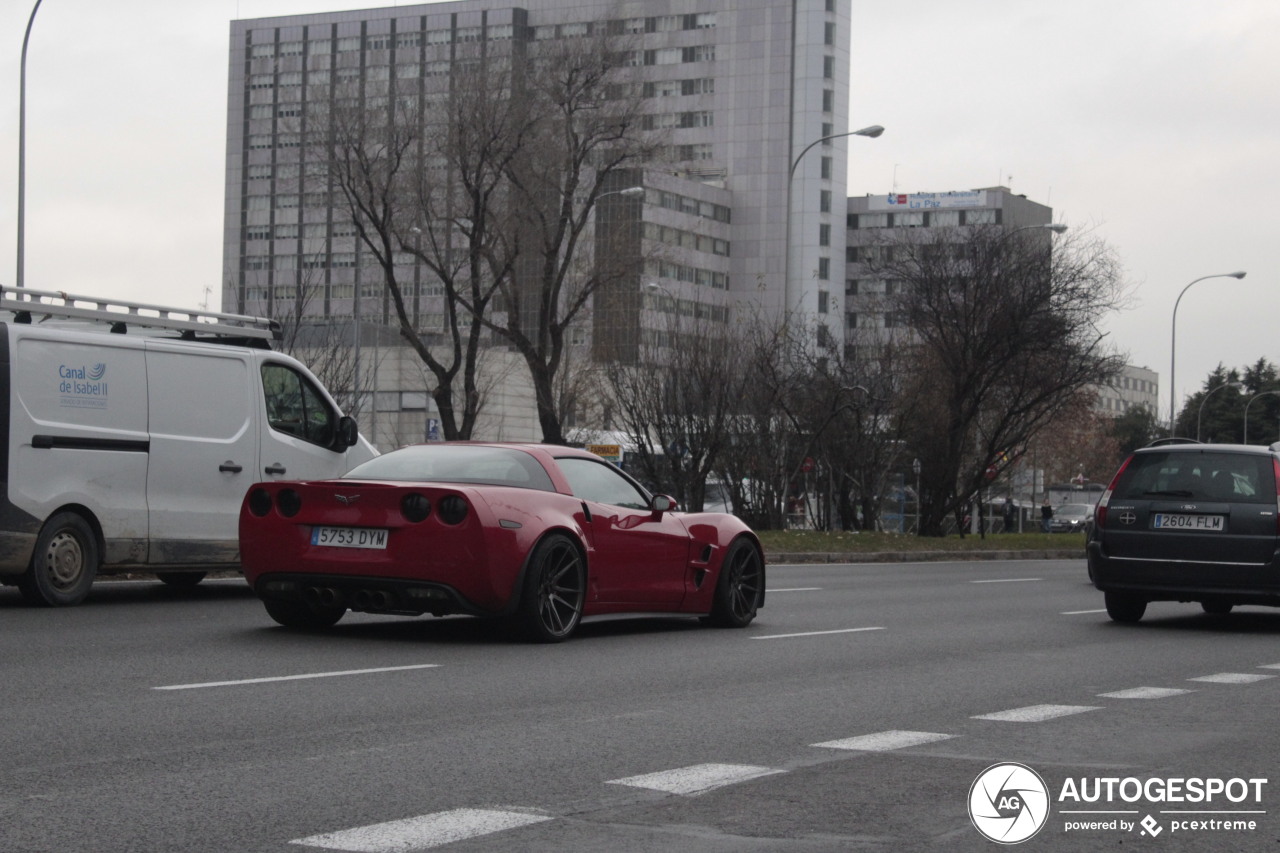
(492, 466)
(1225, 477)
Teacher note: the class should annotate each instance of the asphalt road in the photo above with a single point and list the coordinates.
(855, 714)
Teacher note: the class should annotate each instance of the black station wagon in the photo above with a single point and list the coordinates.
(1189, 522)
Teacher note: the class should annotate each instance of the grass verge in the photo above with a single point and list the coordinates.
(815, 541)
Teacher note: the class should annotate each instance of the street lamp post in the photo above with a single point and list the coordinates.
(1173, 347)
(871, 132)
(1239, 386)
(22, 142)
(1246, 410)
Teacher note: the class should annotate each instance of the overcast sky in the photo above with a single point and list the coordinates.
(1154, 123)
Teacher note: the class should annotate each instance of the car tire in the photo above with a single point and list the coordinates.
(1216, 608)
(740, 586)
(302, 616)
(1124, 608)
(555, 591)
(181, 580)
(63, 564)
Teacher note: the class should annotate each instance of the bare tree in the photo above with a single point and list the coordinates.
(679, 401)
(381, 161)
(1005, 336)
(584, 132)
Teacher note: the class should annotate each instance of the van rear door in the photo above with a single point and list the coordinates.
(204, 451)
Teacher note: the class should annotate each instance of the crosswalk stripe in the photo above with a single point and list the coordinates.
(423, 832)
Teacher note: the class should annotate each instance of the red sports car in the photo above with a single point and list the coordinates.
(538, 534)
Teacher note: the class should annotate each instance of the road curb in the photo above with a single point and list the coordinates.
(920, 556)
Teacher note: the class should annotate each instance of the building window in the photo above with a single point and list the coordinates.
(826, 168)
(824, 302)
(824, 269)
(828, 100)
(824, 235)
(829, 67)
(824, 201)
(829, 34)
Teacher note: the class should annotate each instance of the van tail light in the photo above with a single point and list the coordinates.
(1100, 512)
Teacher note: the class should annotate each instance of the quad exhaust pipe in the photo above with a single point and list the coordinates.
(372, 599)
(321, 595)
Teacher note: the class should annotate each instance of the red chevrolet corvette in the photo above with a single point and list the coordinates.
(538, 534)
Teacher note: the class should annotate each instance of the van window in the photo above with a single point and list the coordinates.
(296, 407)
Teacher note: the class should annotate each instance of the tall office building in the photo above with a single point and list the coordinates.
(742, 89)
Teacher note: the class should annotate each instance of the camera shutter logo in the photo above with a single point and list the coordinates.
(1008, 803)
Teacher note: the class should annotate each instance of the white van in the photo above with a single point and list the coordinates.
(131, 433)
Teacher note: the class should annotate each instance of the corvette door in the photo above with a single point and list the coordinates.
(640, 555)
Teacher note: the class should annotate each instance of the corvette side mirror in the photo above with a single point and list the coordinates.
(662, 503)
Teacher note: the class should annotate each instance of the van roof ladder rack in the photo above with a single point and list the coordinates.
(26, 303)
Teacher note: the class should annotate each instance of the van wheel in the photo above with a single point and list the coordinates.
(1124, 608)
(181, 580)
(63, 564)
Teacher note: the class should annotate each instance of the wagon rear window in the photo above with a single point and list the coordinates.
(1224, 477)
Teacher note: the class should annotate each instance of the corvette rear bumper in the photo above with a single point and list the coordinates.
(371, 594)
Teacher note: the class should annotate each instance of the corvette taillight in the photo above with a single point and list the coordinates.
(452, 509)
(288, 502)
(1100, 513)
(415, 507)
(259, 502)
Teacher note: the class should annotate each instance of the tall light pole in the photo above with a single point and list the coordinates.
(1239, 386)
(1173, 347)
(871, 132)
(22, 142)
(1246, 410)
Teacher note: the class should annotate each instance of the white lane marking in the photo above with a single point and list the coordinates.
(1008, 580)
(420, 833)
(1270, 666)
(798, 589)
(295, 677)
(1145, 693)
(1036, 713)
(1233, 678)
(884, 741)
(1082, 612)
(696, 779)
(814, 633)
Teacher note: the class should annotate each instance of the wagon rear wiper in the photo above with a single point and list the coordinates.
(1173, 493)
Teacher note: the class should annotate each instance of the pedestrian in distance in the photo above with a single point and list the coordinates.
(1046, 515)
(1010, 516)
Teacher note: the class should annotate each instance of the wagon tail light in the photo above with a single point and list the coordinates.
(1100, 512)
(1275, 464)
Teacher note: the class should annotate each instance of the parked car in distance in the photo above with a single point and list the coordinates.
(539, 535)
(1071, 518)
(1189, 522)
